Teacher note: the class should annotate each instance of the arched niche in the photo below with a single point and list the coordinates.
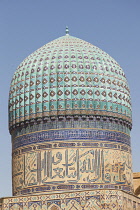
(54, 207)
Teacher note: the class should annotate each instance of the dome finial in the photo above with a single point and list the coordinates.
(67, 30)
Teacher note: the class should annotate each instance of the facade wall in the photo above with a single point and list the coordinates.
(79, 200)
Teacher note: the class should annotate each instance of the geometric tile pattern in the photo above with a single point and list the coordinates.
(68, 76)
(85, 200)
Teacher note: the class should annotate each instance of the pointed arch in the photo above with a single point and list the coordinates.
(35, 206)
(16, 206)
(54, 207)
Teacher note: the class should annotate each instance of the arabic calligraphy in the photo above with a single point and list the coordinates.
(77, 165)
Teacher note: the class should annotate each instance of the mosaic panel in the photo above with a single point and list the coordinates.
(75, 200)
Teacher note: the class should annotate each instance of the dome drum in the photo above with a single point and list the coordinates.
(53, 119)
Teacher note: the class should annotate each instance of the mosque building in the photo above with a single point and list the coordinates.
(70, 119)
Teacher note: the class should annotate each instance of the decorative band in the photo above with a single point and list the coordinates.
(96, 116)
(60, 187)
(71, 135)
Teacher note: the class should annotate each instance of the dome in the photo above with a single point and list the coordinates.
(68, 76)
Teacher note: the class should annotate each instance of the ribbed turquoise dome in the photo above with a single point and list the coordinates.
(68, 76)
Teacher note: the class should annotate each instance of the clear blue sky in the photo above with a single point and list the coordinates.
(26, 25)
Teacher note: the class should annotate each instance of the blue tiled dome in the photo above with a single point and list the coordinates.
(68, 76)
